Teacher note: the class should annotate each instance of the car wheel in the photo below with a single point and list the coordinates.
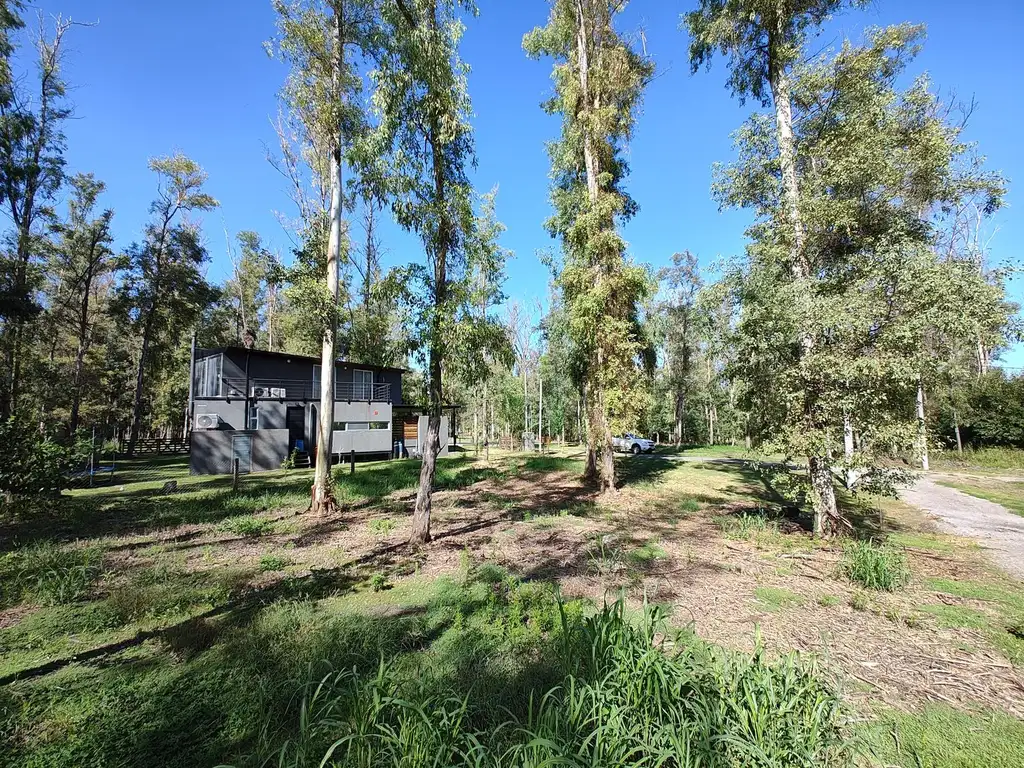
(635, 450)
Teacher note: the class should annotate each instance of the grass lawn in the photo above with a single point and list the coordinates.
(204, 626)
(1009, 494)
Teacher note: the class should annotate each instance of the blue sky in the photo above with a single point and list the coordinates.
(153, 77)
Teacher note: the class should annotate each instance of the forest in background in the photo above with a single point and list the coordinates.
(861, 324)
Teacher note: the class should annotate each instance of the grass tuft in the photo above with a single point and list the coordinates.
(874, 566)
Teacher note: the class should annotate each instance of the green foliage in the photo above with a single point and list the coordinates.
(379, 582)
(382, 526)
(875, 566)
(33, 464)
(601, 288)
(48, 574)
(624, 699)
(247, 525)
(273, 563)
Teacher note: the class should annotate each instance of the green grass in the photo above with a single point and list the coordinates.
(483, 658)
(273, 563)
(247, 525)
(46, 573)
(999, 615)
(941, 737)
(874, 566)
(775, 598)
(1008, 495)
(980, 458)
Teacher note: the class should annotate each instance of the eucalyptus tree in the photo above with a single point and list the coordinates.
(32, 112)
(680, 284)
(163, 287)
(81, 270)
(424, 134)
(322, 92)
(845, 340)
(599, 81)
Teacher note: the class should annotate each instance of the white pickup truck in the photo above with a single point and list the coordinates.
(630, 443)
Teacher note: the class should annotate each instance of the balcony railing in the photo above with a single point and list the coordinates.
(298, 389)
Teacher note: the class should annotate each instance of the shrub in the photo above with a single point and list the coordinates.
(875, 566)
(33, 464)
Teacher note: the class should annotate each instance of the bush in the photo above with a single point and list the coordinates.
(33, 464)
(876, 566)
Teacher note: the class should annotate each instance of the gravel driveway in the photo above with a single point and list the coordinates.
(996, 529)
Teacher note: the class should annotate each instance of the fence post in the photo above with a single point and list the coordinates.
(234, 475)
(352, 462)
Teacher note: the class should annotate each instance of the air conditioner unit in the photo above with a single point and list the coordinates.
(207, 421)
(278, 392)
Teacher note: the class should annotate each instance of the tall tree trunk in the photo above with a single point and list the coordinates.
(540, 409)
(922, 428)
(323, 501)
(956, 429)
(83, 346)
(445, 235)
(823, 493)
(140, 374)
(600, 438)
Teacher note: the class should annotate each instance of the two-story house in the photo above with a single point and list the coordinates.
(259, 406)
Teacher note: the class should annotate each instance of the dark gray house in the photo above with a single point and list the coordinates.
(259, 406)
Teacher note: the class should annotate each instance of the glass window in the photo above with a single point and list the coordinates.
(316, 381)
(360, 426)
(379, 425)
(254, 417)
(339, 426)
(362, 384)
(208, 372)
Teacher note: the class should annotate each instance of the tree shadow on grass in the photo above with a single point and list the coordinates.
(220, 687)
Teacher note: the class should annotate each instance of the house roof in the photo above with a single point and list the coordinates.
(289, 356)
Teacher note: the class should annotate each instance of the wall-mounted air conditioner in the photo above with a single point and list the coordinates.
(278, 392)
(207, 421)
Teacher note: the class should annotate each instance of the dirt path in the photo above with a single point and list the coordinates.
(996, 529)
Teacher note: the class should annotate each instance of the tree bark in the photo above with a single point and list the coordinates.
(823, 493)
(323, 501)
(956, 429)
(922, 429)
(445, 235)
(83, 347)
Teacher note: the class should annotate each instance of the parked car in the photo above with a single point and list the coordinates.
(630, 443)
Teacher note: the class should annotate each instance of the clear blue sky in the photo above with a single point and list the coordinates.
(192, 75)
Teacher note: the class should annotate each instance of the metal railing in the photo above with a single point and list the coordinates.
(299, 389)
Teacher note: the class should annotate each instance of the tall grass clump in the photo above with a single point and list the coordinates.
(626, 697)
(876, 566)
(48, 574)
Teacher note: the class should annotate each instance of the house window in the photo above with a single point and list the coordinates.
(208, 373)
(254, 417)
(316, 381)
(360, 426)
(362, 385)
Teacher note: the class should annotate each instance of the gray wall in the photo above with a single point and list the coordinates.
(211, 450)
